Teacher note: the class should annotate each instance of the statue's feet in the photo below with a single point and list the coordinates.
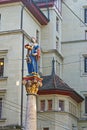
(34, 74)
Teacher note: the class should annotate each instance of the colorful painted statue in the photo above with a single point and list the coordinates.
(33, 55)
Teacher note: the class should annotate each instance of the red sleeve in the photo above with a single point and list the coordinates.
(38, 53)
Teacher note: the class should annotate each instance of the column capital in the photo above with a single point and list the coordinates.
(32, 83)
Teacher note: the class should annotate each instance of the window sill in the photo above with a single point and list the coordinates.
(2, 119)
(3, 78)
(85, 114)
(84, 75)
(50, 111)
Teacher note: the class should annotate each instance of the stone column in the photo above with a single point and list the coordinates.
(32, 83)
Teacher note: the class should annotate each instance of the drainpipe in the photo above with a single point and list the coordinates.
(22, 71)
(47, 5)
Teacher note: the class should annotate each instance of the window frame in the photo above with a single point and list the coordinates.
(42, 105)
(82, 64)
(0, 108)
(61, 108)
(46, 128)
(85, 64)
(85, 34)
(85, 104)
(57, 24)
(50, 104)
(85, 15)
(57, 43)
(0, 21)
(1, 67)
(37, 35)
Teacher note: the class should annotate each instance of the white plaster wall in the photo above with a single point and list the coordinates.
(10, 20)
(12, 43)
(72, 27)
(10, 17)
(74, 30)
(47, 66)
(49, 32)
(73, 67)
(30, 24)
(73, 53)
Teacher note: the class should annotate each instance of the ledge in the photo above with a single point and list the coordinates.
(3, 78)
(2, 119)
(52, 51)
(3, 51)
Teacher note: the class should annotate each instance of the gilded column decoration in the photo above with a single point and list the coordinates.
(32, 83)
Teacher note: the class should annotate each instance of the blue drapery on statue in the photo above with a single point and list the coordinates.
(33, 65)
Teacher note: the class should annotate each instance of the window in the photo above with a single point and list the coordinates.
(72, 108)
(57, 43)
(85, 104)
(46, 128)
(86, 35)
(0, 21)
(85, 64)
(37, 36)
(49, 104)
(85, 15)
(61, 105)
(42, 105)
(1, 67)
(0, 107)
(57, 24)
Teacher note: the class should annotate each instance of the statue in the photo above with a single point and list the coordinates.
(32, 57)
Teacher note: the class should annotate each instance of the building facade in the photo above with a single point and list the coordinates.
(74, 48)
(49, 22)
(17, 25)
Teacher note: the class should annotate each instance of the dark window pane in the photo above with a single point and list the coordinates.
(0, 107)
(85, 64)
(45, 128)
(61, 105)
(37, 36)
(1, 67)
(85, 104)
(57, 24)
(49, 104)
(85, 15)
(42, 105)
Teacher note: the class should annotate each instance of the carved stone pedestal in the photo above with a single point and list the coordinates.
(32, 83)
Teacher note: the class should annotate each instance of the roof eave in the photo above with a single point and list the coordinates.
(42, 19)
(35, 11)
(45, 5)
(72, 94)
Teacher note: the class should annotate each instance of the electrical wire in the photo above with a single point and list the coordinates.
(43, 118)
(15, 108)
(17, 105)
(48, 117)
(53, 121)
